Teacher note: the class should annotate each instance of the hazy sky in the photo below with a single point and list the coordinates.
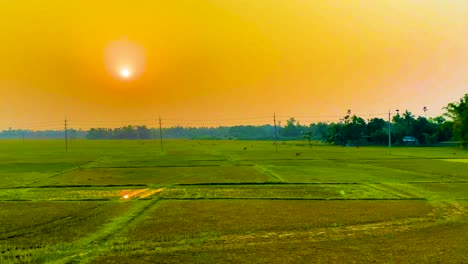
(227, 61)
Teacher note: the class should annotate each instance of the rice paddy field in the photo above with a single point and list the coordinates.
(231, 202)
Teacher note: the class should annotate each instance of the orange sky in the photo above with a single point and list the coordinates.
(227, 61)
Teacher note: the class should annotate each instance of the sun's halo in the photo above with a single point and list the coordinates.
(124, 60)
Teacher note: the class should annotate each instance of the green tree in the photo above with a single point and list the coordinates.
(408, 121)
(335, 134)
(376, 132)
(424, 131)
(319, 131)
(444, 127)
(352, 131)
(143, 132)
(403, 126)
(292, 129)
(458, 112)
(375, 124)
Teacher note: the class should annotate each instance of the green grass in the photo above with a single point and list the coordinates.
(445, 243)
(30, 231)
(53, 167)
(175, 230)
(68, 193)
(343, 171)
(456, 160)
(173, 219)
(445, 190)
(436, 170)
(11, 179)
(212, 201)
(158, 175)
(316, 191)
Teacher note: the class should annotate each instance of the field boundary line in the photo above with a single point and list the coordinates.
(325, 159)
(154, 166)
(74, 186)
(59, 200)
(417, 182)
(267, 183)
(297, 198)
(183, 160)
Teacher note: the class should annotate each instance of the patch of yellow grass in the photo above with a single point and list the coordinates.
(456, 160)
(151, 192)
(127, 194)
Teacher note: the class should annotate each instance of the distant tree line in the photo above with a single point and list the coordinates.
(179, 132)
(350, 130)
(41, 134)
(127, 132)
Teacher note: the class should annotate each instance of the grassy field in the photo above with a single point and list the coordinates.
(213, 202)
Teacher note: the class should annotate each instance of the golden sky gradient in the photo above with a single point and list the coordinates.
(222, 59)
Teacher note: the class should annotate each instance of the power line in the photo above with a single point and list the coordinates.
(223, 122)
(329, 116)
(160, 135)
(276, 136)
(389, 134)
(66, 138)
(217, 119)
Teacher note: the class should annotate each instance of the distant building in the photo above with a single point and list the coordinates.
(410, 140)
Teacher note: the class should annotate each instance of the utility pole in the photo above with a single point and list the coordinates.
(276, 136)
(66, 137)
(160, 134)
(389, 135)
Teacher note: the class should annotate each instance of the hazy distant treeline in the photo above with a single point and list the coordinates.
(350, 130)
(41, 134)
(142, 132)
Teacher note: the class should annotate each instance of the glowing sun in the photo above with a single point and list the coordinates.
(125, 73)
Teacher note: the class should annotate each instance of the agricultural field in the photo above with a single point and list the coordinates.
(203, 201)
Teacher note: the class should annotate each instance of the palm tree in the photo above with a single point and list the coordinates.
(425, 110)
(408, 119)
(347, 116)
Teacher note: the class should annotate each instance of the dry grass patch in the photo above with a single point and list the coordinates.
(173, 219)
(158, 175)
